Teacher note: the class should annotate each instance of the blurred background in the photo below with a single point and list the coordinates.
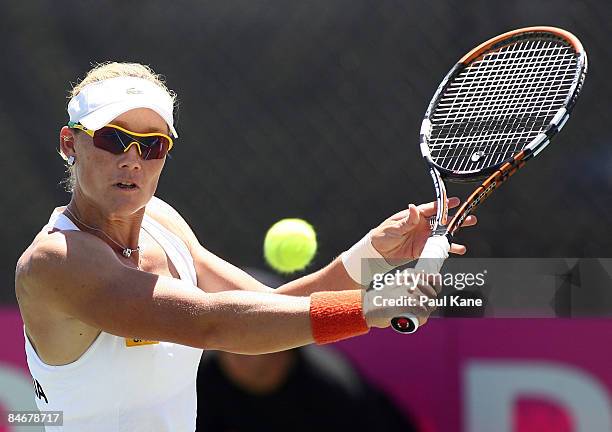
(312, 109)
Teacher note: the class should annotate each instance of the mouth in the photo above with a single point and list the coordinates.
(126, 185)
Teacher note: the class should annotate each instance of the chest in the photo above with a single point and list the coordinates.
(154, 258)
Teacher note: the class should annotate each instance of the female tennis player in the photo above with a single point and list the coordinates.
(119, 297)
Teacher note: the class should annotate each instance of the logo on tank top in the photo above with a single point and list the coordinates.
(132, 342)
(38, 390)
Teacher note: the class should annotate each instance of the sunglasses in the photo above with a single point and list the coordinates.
(117, 140)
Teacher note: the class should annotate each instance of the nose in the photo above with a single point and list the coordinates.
(131, 158)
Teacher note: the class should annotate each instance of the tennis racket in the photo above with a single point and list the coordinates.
(496, 109)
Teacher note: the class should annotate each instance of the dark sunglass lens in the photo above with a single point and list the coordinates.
(155, 148)
(108, 139)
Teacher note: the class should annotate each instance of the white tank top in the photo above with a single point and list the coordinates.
(117, 387)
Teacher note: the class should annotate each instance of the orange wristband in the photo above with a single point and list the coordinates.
(336, 315)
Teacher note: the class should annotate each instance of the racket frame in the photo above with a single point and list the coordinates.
(497, 174)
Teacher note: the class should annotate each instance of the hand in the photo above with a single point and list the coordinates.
(399, 297)
(401, 237)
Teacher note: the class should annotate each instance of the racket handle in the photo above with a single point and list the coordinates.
(405, 323)
(431, 260)
(433, 256)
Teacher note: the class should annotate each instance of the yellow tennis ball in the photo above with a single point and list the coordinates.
(290, 245)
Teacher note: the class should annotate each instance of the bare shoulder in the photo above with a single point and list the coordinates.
(171, 219)
(47, 248)
(53, 255)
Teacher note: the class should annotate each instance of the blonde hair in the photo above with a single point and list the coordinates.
(106, 70)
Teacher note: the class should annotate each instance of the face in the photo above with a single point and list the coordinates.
(99, 172)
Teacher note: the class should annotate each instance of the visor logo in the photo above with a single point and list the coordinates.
(133, 90)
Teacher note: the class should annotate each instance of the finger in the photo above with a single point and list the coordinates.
(438, 287)
(426, 289)
(428, 209)
(435, 280)
(406, 218)
(458, 249)
(412, 218)
(400, 214)
(471, 220)
(453, 202)
(421, 311)
(431, 208)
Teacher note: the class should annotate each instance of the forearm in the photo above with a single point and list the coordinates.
(235, 321)
(330, 278)
(354, 269)
(257, 323)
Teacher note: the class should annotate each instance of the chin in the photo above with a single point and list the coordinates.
(130, 202)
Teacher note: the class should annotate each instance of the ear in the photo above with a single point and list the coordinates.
(66, 142)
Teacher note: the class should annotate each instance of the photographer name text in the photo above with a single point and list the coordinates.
(425, 301)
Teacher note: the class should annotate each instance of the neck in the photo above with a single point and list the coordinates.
(124, 229)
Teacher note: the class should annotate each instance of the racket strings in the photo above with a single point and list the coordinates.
(501, 102)
(498, 99)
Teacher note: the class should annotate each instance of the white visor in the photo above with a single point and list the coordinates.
(100, 102)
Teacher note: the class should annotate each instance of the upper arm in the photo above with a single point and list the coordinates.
(214, 274)
(77, 275)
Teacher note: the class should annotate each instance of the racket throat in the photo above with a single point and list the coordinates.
(442, 231)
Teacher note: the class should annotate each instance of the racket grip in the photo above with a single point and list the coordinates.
(433, 256)
(431, 260)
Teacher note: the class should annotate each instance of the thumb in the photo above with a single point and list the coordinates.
(413, 217)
